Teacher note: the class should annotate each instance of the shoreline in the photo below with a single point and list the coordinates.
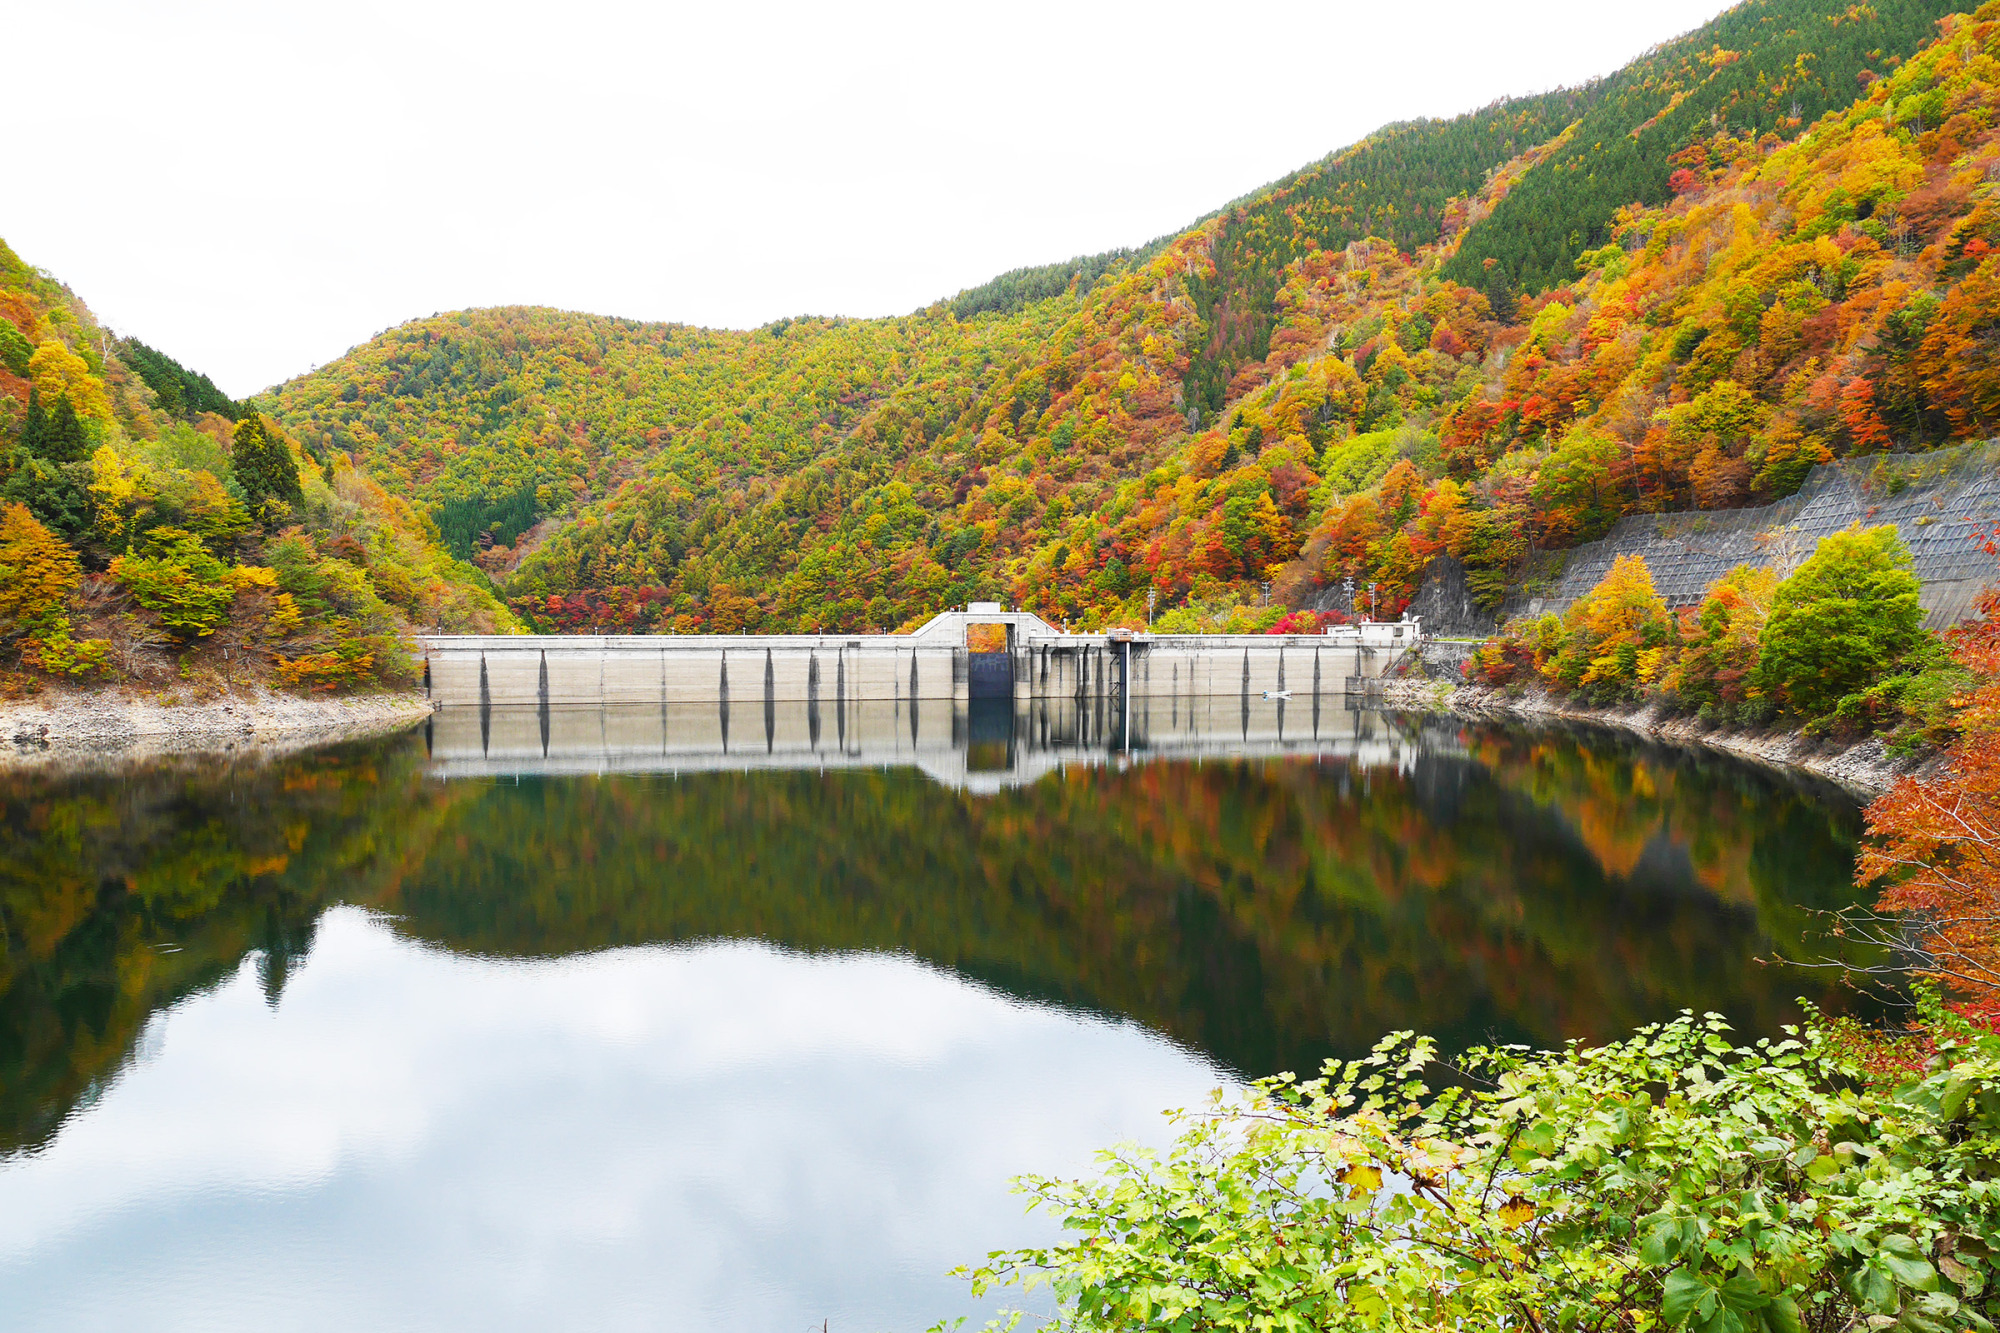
(108, 726)
(101, 727)
(1864, 768)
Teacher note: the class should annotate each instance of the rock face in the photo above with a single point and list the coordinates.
(1445, 604)
(1446, 659)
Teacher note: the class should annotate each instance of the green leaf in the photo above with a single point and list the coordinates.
(1900, 1255)
(1661, 1243)
(1684, 1289)
(1874, 1289)
(1782, 1316)
(1742, 1293)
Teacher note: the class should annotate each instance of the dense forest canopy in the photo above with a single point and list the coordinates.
(1765, 67)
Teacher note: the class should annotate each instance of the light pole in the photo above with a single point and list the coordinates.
(1151, 594)
(1371, 601)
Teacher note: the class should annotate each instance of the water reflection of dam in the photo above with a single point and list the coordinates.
(984, 745)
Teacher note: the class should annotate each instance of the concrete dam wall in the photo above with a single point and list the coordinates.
(1039, 662)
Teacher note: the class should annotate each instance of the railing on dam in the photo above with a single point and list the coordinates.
(1040, 662)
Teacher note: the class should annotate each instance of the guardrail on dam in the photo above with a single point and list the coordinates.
(1039, 662)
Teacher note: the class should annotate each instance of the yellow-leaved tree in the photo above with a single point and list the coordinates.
(38, 572)
(59, 373)
(1615, 636)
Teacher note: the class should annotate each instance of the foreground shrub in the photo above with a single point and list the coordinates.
(59, 653)
(1674, 1180)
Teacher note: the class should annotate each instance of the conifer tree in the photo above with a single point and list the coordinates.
(264, 466)
(45, 467)
(63, 440)
(35, 427)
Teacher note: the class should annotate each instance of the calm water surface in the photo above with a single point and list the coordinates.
(595, 1022)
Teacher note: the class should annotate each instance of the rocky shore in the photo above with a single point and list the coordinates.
(1865, 768)
(90, 727)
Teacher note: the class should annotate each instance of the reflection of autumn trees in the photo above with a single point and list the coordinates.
(1269, 913)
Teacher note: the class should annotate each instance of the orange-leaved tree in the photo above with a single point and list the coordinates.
(1935, 842)
(37, 573)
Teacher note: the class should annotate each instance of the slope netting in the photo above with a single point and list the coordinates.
(1938, 502)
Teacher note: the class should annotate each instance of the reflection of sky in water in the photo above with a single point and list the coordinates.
(720, 1137)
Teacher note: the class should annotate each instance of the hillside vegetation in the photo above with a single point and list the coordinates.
(1306, 388)
(154, 532)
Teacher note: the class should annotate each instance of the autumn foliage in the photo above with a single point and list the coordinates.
(1935, 842)
(1768, 263)
(147, 535)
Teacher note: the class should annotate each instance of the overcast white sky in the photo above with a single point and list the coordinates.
(254, 188)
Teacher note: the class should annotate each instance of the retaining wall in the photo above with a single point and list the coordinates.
(1936, 500)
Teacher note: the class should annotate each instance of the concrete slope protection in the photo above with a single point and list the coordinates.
(1942, 503)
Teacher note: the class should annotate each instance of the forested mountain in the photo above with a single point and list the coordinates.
(1408, 184)
(1765, 67)
(152, 531)
(1311, 385)
(1021, 287)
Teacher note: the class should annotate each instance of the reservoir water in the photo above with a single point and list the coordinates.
(606, 1022)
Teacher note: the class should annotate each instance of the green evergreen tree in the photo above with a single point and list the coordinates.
(63, 440)
(264, 466)
(57, 494)
(181, 391)
(35, 427)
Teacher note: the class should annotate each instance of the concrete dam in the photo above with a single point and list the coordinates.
(978, 721)
(934, 663)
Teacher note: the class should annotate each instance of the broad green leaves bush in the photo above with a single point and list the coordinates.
(187, 588)
(1674, 1180)
(1842, 620)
